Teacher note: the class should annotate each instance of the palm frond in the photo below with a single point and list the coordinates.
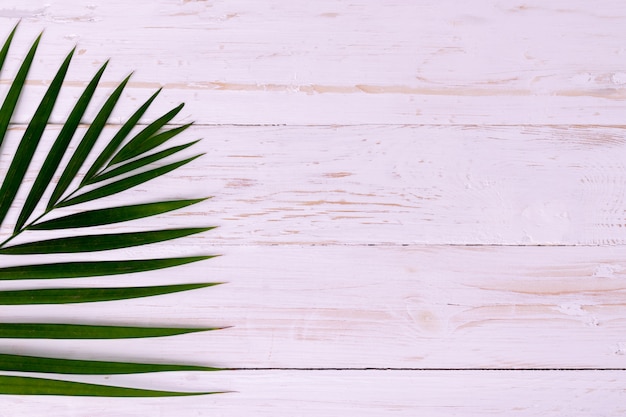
(51, 164)
(113, 215)
(85, 331)
(21, 385)
(131, 148)
(139, 163)
(123, 184)
(124, 166)
(94, 243)
(21, 363)
(93, 268)
(10, 101)
(32, 136)
(90, 295)
(117, 140)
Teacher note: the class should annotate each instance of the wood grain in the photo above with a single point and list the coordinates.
(363, 307)
(361, 393)
(434, 187)
(395, 185)
(433, 62)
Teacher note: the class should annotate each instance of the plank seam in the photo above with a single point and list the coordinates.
(431, 369)
(326, 125)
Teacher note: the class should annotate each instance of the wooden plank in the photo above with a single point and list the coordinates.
(358, 393)
(433, 62)
(397, 185)
(359, 307)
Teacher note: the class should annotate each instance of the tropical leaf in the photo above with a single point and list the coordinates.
(20, 385)
(93, 243)
(93, 268)
(57, 151)
(139, 163)
(10, 101)
(31, 138)
(90, 295)
(21, 363)
(86, 144)
(5, 48)
(130, 149)
(84, 331)
(127, 165)
(124, 184)
(116, 141)
(113, 215)
(148, 144)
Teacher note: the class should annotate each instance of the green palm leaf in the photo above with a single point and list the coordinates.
(139, 163)
(93, 268)
(20, 385)
(113, 215)
(58, 150)
(130, 149)
(21, 363)
(5, 48)
(31, 138)
(114, 162)
(93, 243)
(86, 144)
(10, 101)
(90, 295)
(84, 331)
(148, 144)
(124, 184)
(116, 141)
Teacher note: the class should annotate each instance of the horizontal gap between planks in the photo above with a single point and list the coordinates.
(417, 245)
(545, 125)
(430, 369)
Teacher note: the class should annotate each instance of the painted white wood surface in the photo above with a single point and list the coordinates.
(369, 307)
(397, 185)
(357, 152)
(362, 393)
(336, 62)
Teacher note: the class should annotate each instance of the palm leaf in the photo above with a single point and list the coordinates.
(116, 141)
(21, 363)
(84, 331)
(130, 149)
(90, 295)
(86, 144)
(20, 385)
(112, 163)
(5, 48)
(113, 215)
(93, 243)
(93, 268)
(31, 138)
(148, 144)
(10, 101)
(57, 151)
(139, 163)
(124, 184)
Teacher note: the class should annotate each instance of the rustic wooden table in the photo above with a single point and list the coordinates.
(421, 203)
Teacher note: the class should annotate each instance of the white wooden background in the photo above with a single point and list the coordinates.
(422, 204)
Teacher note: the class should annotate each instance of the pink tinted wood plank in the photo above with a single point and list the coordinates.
(359, 307)
(333, 63)
(356, 393)
(396, 185)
